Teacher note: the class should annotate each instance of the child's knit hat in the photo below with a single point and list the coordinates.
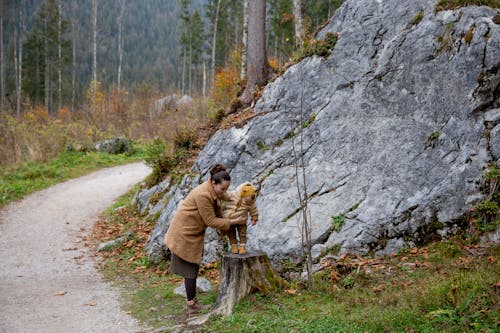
(247, 190)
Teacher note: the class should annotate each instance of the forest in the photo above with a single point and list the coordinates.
(98, 66)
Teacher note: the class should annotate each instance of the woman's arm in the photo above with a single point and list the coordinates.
(206, 207)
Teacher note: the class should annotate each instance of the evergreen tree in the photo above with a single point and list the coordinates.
(280, 43)
(196, 33)
(41, 59)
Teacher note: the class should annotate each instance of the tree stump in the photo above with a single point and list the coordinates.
(240, 275)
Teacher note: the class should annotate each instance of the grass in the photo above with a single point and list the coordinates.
(451, 295)
(453, 4)
(448, 286)
(15, 183)
(418, 17)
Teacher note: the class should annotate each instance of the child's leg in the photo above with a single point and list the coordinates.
(232, 239)
(242, 233)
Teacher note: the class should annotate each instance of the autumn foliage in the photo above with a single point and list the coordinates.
(226, 87)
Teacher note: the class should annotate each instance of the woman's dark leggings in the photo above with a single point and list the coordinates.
(190, 285)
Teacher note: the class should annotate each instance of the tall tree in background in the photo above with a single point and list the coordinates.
(120, 42)
(244, 41)
(59, 58)
(299, 13)
(281, 42)
(184, 41)
(215, 24)
(94, 57)
(19, 70)
(257, 65)
(47, 54)
(2, 74)
(73, 54)
(196, 34)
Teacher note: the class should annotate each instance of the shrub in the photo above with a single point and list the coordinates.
(418, 18)
(226, 87)
(488, 212)
(337, 222)
(184, 138)
(322, 48)
(162, 159)
(433, 138)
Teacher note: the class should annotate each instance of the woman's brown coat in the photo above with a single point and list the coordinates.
(199, 210)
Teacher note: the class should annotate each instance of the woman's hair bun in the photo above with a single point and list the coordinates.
(218, 173)
(217, 168)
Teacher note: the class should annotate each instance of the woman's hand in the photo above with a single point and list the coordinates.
(239, 220)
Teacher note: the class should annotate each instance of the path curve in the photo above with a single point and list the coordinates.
(42, 254)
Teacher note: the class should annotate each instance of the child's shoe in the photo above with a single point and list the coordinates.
(234, 248)
(243, 249)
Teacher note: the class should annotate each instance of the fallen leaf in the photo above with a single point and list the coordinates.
(334, 276)
(291, 291)
(379, 288)
(407, 283)
(491, 260)
(71, 249)
(93, 303)
(60, 293)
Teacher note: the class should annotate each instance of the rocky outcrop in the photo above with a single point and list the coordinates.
(398, 125)
(114, 146)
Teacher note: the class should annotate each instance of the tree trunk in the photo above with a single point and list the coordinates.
(2, 74)
(94, 61)
(257, 66)
(73, 74)
(120, 43)
(299, 12)
(183, 84)
(190, 64)
(16, 67)
(46, 74)
(20, 61)
(214, 42)
(239, 276)
(204, 90)
(244, 41)
(59, 60)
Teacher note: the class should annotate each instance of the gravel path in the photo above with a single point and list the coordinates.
(48, 277)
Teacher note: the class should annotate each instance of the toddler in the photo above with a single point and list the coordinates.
(240, 203)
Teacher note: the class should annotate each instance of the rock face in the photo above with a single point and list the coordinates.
(393, 128)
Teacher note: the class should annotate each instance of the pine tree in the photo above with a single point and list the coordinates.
(281, 30)
(42, 59)
(196, 33)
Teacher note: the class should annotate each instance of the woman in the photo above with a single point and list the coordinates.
(185, 236)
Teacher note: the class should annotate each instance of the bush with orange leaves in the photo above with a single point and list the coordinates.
(226, 87)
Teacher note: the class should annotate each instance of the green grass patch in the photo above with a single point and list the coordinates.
(322, 48)
(418, 17)
(15, 183)
(456, 295)
(447, 286)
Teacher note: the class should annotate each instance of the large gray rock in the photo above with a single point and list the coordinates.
(394, 133)
(114, 146)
